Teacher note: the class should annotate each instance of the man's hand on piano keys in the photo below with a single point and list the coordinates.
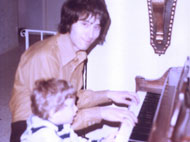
(118, 114)
(126, 127)
(123, 97)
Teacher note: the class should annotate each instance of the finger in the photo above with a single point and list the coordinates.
(127, 123)
(124, 113)
(131, 116)
(113, 135)
(130, 121)
(130, 96)
(128, 102)
(134, 97)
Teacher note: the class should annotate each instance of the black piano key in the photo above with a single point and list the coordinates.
(145, 118)
(141, 132)
(144, 131)
(140, 136)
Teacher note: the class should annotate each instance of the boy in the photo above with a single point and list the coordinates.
(53, 107)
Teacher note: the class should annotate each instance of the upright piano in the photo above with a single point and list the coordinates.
(165, 112)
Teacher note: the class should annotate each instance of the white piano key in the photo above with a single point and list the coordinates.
(136, 108)
(124, 132)
(126, 129)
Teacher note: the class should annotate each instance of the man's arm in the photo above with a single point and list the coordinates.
(89, 98)
(94, 115)
(87, 117)
(39, 67)
(29, 70)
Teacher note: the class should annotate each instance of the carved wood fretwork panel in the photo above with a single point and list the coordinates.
(161, 18)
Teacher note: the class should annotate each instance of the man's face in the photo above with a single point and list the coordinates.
(84, 32)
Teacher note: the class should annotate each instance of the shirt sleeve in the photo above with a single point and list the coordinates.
(88, 109)
(40, 66)
(32, 66)
(89, 98)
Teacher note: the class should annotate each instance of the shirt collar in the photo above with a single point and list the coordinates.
(36, 122)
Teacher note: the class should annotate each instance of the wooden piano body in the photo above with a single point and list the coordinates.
(171, 120)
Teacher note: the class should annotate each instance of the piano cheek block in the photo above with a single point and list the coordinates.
(182, 128)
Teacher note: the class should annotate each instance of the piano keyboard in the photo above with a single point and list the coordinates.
(145, 111)
(136, 108)
(145, 118)
(126, 130)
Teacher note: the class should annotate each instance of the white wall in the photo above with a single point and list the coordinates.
(8, 25)
(127, 51)
(40, 15)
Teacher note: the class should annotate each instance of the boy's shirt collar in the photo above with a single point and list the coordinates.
(36, 122)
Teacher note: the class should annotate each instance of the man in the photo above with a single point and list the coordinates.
(83, 24)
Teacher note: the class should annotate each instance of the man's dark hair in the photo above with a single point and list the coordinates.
(73, 9)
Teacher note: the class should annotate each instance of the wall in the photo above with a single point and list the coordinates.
(127, 51)
(8, 25)
(30, 14)
(40, 15)
(53, 14)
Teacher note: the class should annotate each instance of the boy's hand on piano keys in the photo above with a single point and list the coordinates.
(123, 97)
(118, 114)
(110, 138)
(124, 131)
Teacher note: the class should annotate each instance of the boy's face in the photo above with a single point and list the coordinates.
(84, 32)
(66, 114)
